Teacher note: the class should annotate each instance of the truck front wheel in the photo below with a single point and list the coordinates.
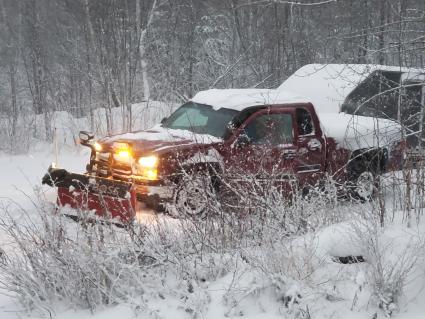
(193, 195)
(364, 187)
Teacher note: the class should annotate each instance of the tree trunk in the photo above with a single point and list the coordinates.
(381, 36)
(142, 48)
(12, 74)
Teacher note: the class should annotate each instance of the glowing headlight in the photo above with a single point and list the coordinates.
(97, 146)
(150, 174)
(148, 161)
(122, 152)
(146, 167)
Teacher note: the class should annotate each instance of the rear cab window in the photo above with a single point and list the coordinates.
(304, 122)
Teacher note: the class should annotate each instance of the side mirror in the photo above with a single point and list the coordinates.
(163, 120)
(85, 138)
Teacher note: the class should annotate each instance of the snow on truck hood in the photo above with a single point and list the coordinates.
(160, 138)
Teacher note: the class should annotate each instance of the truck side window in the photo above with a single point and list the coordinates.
(304, 122)
(270, 129)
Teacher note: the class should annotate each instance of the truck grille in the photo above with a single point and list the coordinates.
(120, 170)
(103, 164)
(107, 167)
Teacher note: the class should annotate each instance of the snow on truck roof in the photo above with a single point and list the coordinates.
(239, 99)
(327, 85)
(349, 131)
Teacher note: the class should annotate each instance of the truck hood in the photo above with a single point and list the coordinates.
(159, 140)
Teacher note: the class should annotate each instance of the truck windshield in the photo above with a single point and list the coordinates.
(201, 118)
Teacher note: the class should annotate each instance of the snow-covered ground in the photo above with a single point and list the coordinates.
(294, 279)
(291, 277)
(20, 176)
(21, 173)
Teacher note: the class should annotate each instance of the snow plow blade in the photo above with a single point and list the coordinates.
(109, 199)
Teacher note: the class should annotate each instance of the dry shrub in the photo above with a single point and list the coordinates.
(391, 258)
(52, 260)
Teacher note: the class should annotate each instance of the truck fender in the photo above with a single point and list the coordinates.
(210, 162)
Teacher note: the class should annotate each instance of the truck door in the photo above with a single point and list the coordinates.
(264, 147)
(311, 147)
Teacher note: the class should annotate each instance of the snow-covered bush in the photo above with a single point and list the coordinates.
(404, 191)
(391, 255)
(61, 127)
(247, 227)
(16, 133)
(51, 261)
(252, 250)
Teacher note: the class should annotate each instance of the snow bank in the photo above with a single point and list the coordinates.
(272, 280)
(145, 115)
(31, 128)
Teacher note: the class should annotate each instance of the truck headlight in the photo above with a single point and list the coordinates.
(147, 167)
(122, 152)
(148, 161)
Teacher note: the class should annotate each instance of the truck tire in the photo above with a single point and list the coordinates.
(364, 187)
(364, 171)
(193, 194)
(363, 180)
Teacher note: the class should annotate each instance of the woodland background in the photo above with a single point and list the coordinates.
(81, 55)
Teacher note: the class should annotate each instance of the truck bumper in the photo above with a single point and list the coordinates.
(154, 196)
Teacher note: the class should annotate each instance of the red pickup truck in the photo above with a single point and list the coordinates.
(246, 131)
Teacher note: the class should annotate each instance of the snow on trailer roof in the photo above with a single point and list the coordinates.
(239, 99)
(327, 85)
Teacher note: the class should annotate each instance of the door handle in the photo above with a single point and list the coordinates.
(314, 145)
(289, 153)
